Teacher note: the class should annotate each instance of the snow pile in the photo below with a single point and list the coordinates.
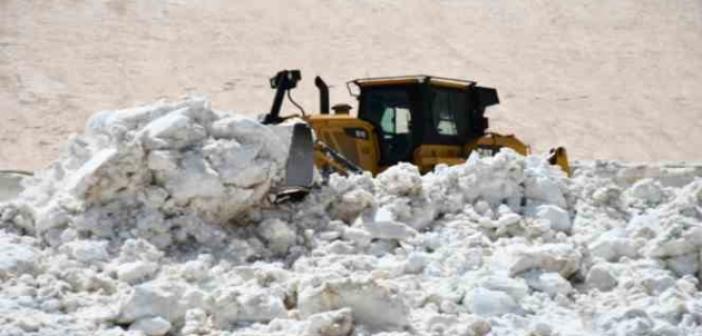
(164, 173)
(157, 222)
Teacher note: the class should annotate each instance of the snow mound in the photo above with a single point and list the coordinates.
(166, 173)
(157, 222)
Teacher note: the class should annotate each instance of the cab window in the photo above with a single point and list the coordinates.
(447, 107)
(395, 120)
(389, 109)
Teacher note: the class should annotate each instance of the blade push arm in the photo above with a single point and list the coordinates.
(283, 82)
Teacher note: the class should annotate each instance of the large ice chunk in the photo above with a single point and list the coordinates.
(372, 304)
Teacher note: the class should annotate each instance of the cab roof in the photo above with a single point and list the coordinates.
(414, 79)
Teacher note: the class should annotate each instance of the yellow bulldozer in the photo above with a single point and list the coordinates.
(423, 120)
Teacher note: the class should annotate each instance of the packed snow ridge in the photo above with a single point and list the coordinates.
(158, 221)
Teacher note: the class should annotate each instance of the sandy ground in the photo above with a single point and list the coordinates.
(608, 79)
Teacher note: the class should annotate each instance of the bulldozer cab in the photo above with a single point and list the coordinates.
(408, 112)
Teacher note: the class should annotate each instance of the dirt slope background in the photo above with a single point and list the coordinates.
(608, 79)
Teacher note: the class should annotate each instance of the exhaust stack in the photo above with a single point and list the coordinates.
(323, 95)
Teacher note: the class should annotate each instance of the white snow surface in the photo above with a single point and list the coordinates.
(157, 220)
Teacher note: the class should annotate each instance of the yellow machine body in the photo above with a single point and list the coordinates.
(331, 130)
(365, 153)
(423, 120)
(359, 140)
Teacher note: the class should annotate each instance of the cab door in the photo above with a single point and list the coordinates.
(391, 111)
(444, 127)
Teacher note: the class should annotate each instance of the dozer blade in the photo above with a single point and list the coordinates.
(299, 168)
